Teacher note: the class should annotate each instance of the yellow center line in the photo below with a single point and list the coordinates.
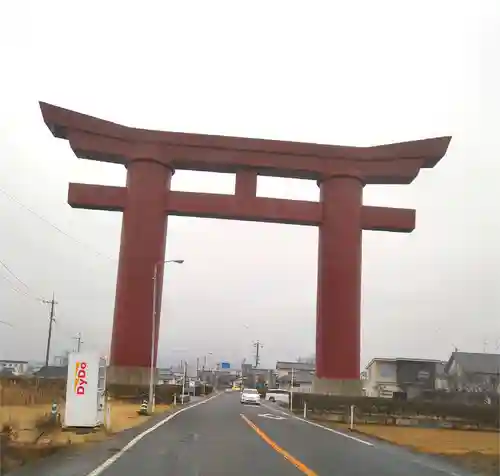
(298, 464)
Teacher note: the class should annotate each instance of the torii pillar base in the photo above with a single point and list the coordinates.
(137, 376)
(341, 387)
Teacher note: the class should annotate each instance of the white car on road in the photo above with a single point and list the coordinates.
(278, 395)
(250, 395)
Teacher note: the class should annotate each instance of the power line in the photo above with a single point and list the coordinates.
(13, 287)
(21, 292)
(13, 274)
(52, 225)
(26, 292)
(67, 333)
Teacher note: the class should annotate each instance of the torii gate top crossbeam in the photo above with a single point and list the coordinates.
(105, 141)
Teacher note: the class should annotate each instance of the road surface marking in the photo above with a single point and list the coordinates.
(299, 465)
(99, 470)
(435, 468)
(275, 409)
(331, 430)
(367, 443)
(271, 416)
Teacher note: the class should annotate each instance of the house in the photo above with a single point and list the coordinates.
(303, 375)
(473, 372)
(52, 372)
(441, 377)
(7, 373)
(303, 381)
(285, 368)
(14, 367)
(389, 377)
(166, 376)
(252, 377)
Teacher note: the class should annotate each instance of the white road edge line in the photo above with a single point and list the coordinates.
(435, 468)
(99, 470)
(367, 443)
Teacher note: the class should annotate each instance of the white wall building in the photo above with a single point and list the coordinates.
(286, 368)
(385, 376)
(381, 378)
(17, 367)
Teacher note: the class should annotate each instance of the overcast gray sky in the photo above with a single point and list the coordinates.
(336, 72)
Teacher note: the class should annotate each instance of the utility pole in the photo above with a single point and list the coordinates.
(52, 319)
(258, 345)
(79, 341)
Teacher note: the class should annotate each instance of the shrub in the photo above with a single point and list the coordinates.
(478, 414)
(47, 422)
(137, 393)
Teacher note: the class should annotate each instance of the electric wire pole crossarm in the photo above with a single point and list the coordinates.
(153, 330)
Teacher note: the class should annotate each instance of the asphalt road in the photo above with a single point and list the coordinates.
(222, 437)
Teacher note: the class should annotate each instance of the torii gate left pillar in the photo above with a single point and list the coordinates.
(151, 158)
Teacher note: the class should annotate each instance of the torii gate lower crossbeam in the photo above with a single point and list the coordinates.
(151, 158)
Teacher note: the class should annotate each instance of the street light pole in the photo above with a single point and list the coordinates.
(184, 372)
(205, 361)
(151, 398)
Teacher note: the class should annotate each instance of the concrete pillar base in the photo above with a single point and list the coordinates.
(342, 387)
(129, 375)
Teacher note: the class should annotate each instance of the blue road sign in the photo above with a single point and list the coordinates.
(225, 365)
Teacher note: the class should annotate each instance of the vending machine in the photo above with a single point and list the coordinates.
(85, 390)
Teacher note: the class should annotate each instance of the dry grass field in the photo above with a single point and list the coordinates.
(436, 441)
(476, 450)
(30, 439)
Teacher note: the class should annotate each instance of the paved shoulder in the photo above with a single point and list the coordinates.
(328, 452)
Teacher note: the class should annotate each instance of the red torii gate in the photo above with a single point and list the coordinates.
(151, 158)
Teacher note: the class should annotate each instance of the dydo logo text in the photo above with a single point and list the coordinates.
(80, 378)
